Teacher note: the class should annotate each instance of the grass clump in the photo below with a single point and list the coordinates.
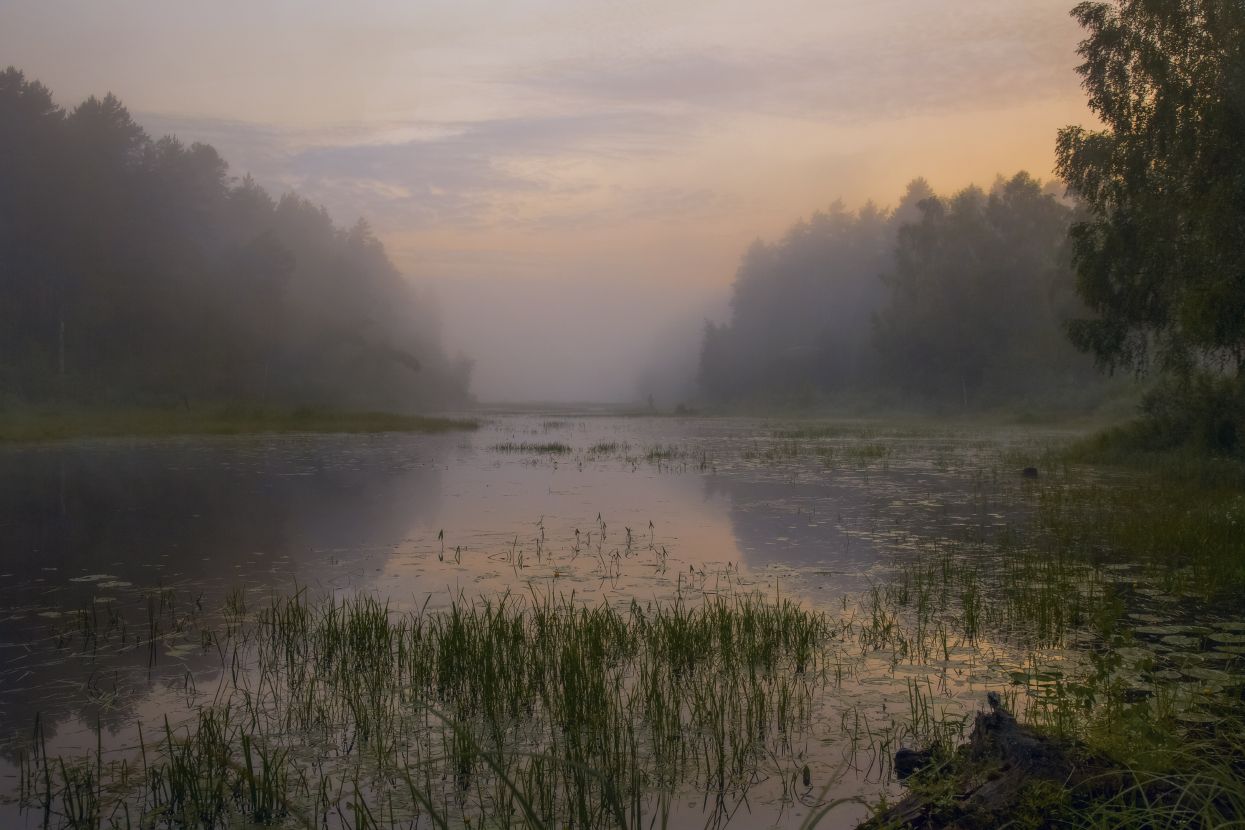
(867, 451)
(1186, 537)
(28, 426)
(541, 707)
(661, 453)
(533, 448)
(608, 448)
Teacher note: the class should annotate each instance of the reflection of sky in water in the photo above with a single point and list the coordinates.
(105, 519)
(331, 510)
(340, 514)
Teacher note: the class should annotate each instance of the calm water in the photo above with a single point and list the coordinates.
(639, 507)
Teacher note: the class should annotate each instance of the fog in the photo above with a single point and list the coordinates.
(572, 192)
(566, 340)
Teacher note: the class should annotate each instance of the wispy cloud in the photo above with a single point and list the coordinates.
(878, 75)
(420, 175)
(508, 151)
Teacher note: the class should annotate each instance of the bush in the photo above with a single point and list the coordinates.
(1202, 412)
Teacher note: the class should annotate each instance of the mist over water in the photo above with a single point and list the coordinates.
(578, 201)
(566, 340)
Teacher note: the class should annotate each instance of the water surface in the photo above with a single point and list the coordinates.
(159, 535)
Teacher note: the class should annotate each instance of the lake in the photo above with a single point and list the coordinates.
(125, 560)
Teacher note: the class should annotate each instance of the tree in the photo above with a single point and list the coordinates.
(1160, 257)
(801, 307)
(135, 269)
(975, 295)
(957, 299)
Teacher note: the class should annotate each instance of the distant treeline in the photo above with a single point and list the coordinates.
(136, 270)
(952, 301)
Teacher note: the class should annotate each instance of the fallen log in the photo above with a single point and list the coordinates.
(1005, 773)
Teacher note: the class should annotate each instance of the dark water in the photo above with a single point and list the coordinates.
(639, 507)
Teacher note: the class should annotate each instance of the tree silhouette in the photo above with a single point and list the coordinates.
(135, 270)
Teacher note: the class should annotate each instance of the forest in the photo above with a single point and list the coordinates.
(956, 302)
(139, 272)
(1126, 266)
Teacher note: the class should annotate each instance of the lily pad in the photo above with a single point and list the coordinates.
(1208, 674)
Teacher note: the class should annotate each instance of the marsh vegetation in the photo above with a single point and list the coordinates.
(627, 665)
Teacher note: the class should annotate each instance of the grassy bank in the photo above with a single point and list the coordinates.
(1133, 560)
(36, 425)
(1129, 447)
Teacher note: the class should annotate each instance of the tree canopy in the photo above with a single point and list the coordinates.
(978, 291)
(137, 270)
(1160, 255)
(947, 300)
(801, 307)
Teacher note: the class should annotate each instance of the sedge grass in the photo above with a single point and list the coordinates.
(344, 712)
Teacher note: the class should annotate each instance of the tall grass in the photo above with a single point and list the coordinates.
(1092, 586)
(534, 709)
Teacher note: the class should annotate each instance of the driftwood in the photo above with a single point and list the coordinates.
(986, 781)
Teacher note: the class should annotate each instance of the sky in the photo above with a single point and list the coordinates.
(576, 180)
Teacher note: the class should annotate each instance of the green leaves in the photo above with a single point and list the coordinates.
(1160, 260)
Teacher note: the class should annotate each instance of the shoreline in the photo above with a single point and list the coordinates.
(36, 426)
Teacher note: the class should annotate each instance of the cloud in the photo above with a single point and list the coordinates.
(841, 63)
(817, 82)
(533, 172)
(655, 123)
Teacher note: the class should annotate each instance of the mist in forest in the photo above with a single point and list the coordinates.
(698, 204)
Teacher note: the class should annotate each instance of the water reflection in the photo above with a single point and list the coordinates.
(190, 511)
(834, 520)
(91, 527)
(423, 519)
(635, 508)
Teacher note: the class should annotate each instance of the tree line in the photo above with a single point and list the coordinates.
(137, 271)
(947, 300)
(1139, 269)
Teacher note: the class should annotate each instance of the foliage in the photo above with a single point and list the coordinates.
(1159, 256)
(800, 307)
(949, 300)
(1201, 411)
(979, 287)
(136, 271)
